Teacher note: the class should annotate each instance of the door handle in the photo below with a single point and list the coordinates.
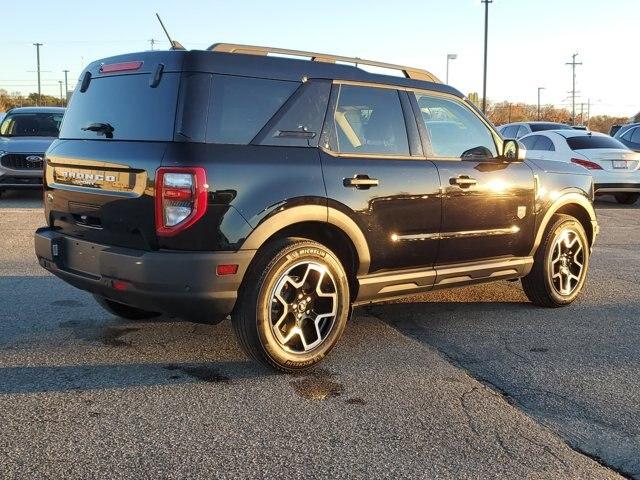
(463, 181)
(361, 182)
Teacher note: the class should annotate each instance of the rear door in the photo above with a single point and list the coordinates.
(100, 174)
(488, 203)
(375, 172)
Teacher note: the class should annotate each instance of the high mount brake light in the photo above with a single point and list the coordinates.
(181, 198)
(120, 67)
(586, 164)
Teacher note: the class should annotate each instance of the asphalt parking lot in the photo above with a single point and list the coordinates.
(467, 383)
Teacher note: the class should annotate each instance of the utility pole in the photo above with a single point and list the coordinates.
(539, 89)
(38, 45)
(588, 111)
(450, 56)
(486, 40)
(152, 41)
(582, 113)
(66, 86)
(61, 99)
(573, 64)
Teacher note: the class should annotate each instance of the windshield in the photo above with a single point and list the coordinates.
(594, 141)
(31, 125)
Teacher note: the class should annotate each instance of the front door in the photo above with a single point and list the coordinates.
(374, 172)
(488, 203)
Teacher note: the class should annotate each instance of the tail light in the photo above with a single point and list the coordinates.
(586, 164)
(181, 199)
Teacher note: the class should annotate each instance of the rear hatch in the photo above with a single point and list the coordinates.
(99, 175)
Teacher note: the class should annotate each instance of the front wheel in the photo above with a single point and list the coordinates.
(559, 265)
(627, 198)
(293, 306)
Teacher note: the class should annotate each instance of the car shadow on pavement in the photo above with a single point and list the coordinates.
(64, 378)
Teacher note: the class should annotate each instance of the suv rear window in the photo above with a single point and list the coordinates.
(31, 125)
(135, 110)
(593, 141)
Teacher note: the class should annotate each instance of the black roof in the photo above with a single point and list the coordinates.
(260, 66)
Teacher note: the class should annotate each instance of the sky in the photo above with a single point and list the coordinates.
(529, 40)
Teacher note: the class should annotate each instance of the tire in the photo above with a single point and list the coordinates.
(293, 306)
(560, 264)
(124, 311)
(627, 198)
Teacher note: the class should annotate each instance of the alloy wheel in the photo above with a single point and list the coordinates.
(567, 258)
(304, 305)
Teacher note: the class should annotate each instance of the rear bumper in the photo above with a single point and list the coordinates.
(604, 188)
(178, 283)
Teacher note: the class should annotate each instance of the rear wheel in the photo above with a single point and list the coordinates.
(560, 264)
(124, 311)
(294, 305)
(627, 198)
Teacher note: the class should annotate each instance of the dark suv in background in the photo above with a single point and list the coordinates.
(25, 134)
(284, 191)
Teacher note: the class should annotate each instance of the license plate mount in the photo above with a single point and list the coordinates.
(620, 164)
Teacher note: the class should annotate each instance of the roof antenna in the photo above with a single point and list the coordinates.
(175, 45)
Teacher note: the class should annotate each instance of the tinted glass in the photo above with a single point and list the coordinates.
(510, 131)
(635, 137)
(529, 142)
(127, 103)
(452, 127)
(193, 105)
(593, 141)
(522, 131)
(628, 134)
(301, 123)
(545, 144)
(241, 106)
(370, 120)
(31, 125)
(538, 127)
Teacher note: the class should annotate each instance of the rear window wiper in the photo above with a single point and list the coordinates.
(105, 128)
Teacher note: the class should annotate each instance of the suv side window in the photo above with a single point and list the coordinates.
(240, 106)
(635, 137)
(522, 131)
(453, 129)
(369, 120)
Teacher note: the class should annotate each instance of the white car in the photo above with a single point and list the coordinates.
(520, 129)
(614, 167)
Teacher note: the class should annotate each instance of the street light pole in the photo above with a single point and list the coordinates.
(450, 56)
(539, 89)
(486, 40)
(38, 45)
(61, 100)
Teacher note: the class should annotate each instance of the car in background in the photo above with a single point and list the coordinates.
(614, 167)
(2, 115)
(629, 134)
(520, 129)
(614, 129)
(25, 134)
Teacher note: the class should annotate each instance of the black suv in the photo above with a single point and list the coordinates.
(284, 191)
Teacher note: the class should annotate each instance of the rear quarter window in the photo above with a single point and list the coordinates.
(587, 142)
(240, 106)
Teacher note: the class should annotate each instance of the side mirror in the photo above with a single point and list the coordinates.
(513, 151)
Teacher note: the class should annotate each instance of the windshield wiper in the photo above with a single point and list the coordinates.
(105, 128)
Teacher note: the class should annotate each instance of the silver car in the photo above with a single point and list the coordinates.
(25, 134)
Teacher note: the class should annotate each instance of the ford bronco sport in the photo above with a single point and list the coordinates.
(282, 191)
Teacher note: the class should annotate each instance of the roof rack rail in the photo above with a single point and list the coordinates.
(408, 72)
